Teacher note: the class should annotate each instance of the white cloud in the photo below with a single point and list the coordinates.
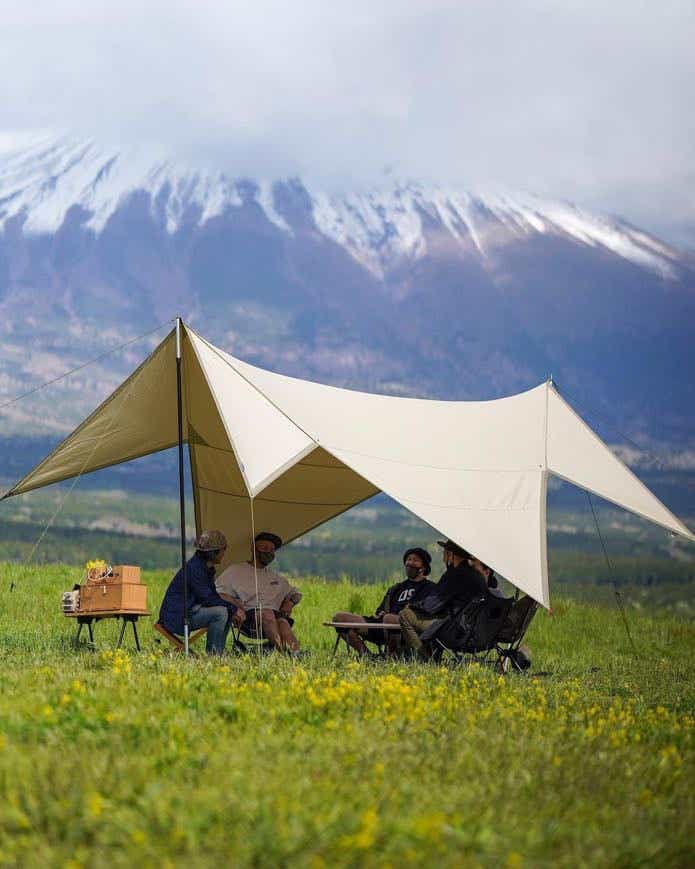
(587, 100)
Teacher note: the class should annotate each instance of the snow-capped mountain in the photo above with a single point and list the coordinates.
(411, 288)
(48, 177)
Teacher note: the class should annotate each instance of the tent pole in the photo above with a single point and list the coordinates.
(182, 505)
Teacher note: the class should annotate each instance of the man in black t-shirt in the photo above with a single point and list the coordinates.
(417, 563)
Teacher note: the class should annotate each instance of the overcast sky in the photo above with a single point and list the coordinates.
(581, 99)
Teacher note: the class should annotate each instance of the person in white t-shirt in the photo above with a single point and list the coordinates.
(273, 604)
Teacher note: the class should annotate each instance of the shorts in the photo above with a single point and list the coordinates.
(248, 628)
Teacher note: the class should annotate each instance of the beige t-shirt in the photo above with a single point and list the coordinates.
(239, 581)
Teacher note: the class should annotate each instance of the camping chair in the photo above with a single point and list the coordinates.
(175, 641)
(471, 630)
(490, 624)
(508, 640)
(251, 638)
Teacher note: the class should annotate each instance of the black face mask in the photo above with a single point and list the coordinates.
(412, 572)
(264, 558)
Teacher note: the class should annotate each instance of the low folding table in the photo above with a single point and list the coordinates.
(341, 627)
(126, 617)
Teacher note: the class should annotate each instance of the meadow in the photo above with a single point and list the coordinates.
(110, 758)
(365, 544)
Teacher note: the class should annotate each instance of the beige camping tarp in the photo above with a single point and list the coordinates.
(270, 452)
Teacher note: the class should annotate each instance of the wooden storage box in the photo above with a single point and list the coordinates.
(125, 573)
(110, 596)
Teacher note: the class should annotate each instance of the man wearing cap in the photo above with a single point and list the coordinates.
(417, 563)
(458, 586)
(206, 609)
(263, 593)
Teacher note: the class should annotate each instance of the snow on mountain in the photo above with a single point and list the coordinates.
(379, 226)
(99, 243)
(42, 177)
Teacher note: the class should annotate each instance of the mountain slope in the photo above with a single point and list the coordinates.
(409, 289)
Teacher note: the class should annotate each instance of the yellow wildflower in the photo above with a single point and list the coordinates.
(95, 804)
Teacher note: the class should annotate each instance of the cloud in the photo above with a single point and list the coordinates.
(582, 99)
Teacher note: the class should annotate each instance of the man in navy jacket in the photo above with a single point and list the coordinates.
(206, 609)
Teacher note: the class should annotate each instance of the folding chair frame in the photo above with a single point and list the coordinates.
(509, 653)
(505, 651)
(240, 645)
(175, 641)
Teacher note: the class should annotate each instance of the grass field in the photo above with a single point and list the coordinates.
(114, 759)
(651, 566)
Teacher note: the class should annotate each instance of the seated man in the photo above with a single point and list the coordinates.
(486, 572)
(273, 604)
(206, 609)
(458, 586)
(417, 566)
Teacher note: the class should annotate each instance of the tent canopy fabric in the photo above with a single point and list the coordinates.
(270, 452)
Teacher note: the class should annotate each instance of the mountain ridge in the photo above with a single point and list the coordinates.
(410, 289)
(52, 176)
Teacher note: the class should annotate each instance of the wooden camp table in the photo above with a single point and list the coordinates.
(387, 626)
(126, 617)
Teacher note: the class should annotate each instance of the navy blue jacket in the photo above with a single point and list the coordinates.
(201, 590)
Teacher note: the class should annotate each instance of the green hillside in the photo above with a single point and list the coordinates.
(364, 544)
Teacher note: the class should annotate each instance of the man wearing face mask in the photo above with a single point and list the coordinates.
(458, 586)
(272, 606)
(416, 562)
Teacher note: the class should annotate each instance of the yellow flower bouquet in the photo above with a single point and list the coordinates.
(97, 569)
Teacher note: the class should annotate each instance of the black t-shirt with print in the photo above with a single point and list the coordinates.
(403, 593)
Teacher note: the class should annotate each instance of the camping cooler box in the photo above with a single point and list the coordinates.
(120, 591)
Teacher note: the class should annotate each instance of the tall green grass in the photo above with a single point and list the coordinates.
(111, 759)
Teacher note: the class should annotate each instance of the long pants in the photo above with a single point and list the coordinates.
(216, 620)
(412, 625)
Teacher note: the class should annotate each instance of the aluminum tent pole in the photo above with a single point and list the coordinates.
(182, 504)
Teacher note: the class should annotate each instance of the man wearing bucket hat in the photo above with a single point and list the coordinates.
(206, 609)
(459, 585)
(417, 564)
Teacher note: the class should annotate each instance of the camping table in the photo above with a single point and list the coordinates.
(126, 616)
(387, 626)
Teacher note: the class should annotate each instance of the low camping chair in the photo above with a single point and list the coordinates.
(508, 640)
(176, 641)
(250, 639)
(472, 631)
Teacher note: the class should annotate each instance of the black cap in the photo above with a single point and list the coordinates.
(268, 535)
(422, 554)
(450, 546)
